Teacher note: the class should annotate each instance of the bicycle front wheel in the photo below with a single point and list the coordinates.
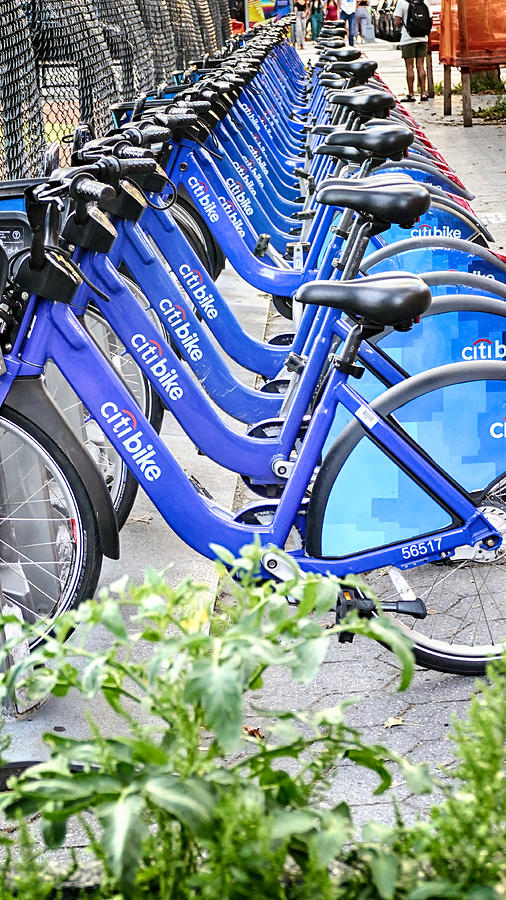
(50, 556)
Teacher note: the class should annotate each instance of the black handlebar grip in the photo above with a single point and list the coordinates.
(84, 188)
(198, 106)
(146, 134)
(138, 166)
(153, 134)
(126, 151)
(173, 120)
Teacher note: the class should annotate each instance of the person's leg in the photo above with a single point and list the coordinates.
(421, 71)
(408, 53)
(351, 28)
(410, 76)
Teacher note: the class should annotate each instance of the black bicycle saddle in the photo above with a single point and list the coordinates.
(346, 54)
(399, 201)
(364, 102)
(329, 52)
(344, 153)
(385, 299)
(379, 141)
(328, 41)
(360, 69)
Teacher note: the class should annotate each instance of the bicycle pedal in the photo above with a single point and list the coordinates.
(349, 599)
(415, 608)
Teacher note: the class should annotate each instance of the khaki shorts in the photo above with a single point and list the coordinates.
(414, 50)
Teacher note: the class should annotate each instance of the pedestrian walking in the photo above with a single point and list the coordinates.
(416, 21)
(361, 19)
(348, 9)
(332, 11)
(300, 9)
(316, 18)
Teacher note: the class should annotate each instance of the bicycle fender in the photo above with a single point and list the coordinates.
(29, 397)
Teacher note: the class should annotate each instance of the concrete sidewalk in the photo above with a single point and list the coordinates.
(422, 715)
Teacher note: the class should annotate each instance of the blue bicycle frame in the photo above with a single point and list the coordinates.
(56, 333)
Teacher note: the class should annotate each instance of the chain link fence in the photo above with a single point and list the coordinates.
(22, 136)
(63, 62)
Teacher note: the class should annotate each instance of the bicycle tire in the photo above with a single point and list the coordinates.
(435, 651)
(36, 478)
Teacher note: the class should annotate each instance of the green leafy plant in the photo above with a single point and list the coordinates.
(188, 802)
(481, 83)
(460, 851)
(496, 112)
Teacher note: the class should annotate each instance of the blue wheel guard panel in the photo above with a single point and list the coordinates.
(373, 502)
(434, 223)
(463, 335)
(437, 259)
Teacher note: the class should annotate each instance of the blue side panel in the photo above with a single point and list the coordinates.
(462, 427)
(449, 337)
(429, 259)
(435, 341)
(372, 504)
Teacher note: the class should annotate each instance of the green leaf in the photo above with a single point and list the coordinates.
(288, 822)
(120, 585)
(217, 688)
(309, 656)
(124, 829)
(417, 777)
(110, 616)
(371, 758)
(439, 889)
(53, 832)
(93, 675)
(377, 832)
(326, 596)
(191, 800)
(382, 629)
(334, 832)
(222, 553)
(384, 869)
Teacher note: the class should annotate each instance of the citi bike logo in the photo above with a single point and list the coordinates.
(250, 164)
(484, 349)
(433, 231)
(258, 159)
(194, 283)
(125, 427)
(151, 352)
(243, 172)
(259, 143)
(175, 318)
(252, 116)
(231, 211)
(483, 274)
(498, 429)
(201, 193)
(239, 195)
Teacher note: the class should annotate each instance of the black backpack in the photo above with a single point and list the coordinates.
(419, 19)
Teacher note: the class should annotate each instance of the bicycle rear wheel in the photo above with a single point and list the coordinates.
(362, 499)
(50, 556)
